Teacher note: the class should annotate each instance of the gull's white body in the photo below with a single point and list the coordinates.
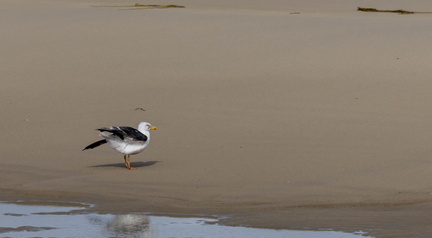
(129, 146)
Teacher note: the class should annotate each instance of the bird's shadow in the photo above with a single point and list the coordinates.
(133, 164)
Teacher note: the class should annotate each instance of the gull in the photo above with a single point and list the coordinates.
(126, 140)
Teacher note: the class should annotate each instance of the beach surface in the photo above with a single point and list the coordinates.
(284, 113)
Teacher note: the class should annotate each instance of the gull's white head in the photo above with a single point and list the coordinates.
(145, 126)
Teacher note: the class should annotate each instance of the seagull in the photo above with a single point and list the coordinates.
(126, 140)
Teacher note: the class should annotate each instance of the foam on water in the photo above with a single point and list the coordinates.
(18, 220)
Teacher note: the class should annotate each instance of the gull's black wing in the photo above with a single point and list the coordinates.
(125, 132)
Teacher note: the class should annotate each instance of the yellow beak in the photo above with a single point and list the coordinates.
(153, 128)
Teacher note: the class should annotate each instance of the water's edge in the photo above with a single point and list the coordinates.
(52, 219)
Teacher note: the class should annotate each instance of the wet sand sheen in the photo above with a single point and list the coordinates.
(25, 219)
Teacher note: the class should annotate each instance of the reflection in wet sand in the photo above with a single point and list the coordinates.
(129, 225)
(18, 220)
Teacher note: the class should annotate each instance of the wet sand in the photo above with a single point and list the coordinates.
(36, 220)
(286, 114)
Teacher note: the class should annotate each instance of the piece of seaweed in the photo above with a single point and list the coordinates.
(157, 6)
(143, 6)
(363, 9)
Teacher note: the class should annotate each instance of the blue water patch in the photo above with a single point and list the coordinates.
(32, 220)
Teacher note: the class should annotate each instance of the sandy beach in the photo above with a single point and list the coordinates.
(284, 113)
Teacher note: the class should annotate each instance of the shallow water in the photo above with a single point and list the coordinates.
(36, 220)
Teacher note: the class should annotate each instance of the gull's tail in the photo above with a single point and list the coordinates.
(96, 144)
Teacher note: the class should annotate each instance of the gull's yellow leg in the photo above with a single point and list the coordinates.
(126, 162)
(129, 167)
